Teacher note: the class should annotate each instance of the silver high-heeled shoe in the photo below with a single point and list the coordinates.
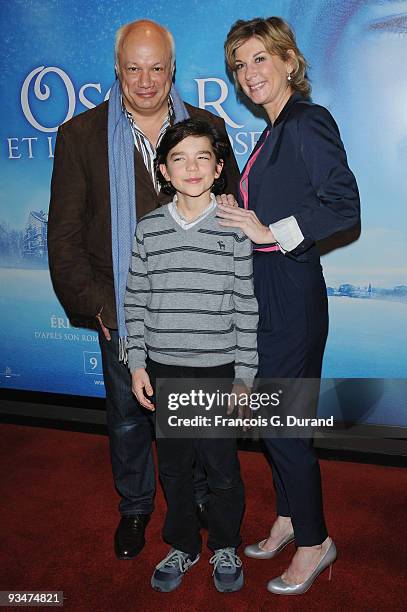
(280, 587)
(257, 552)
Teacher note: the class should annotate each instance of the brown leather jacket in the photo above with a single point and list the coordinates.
(79, 228)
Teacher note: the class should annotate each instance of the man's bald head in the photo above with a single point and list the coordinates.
(144, 29)
(145, 68)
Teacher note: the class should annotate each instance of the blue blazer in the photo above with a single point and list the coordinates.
(302, 171)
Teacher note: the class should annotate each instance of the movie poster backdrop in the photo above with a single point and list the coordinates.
(57, 61)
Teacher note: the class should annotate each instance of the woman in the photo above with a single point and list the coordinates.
(295, 189)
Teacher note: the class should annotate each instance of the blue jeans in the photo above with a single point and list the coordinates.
(131, 431)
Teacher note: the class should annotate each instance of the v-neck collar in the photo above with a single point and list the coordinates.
(194, 228)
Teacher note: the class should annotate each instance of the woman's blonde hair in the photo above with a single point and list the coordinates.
(278, 39)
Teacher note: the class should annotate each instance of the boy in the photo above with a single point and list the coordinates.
(190, 307)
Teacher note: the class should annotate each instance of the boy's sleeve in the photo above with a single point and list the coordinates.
(135, 302)
(246, 312)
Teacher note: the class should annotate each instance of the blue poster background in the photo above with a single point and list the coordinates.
(57, 60)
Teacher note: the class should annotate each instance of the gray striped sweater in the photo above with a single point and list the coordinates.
(189, 298)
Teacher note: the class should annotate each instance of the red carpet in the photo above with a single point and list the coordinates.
(58, 515)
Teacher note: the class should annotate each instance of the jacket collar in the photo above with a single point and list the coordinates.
(295, 97)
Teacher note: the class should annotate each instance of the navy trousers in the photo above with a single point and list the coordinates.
(292, 332)
(131, 431)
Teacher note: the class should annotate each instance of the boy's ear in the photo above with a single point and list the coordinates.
(163, 170)
(219, 168)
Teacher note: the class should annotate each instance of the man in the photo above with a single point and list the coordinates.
(103, 178)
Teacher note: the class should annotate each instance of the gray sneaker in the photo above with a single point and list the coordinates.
(169, 573)
(227, 570)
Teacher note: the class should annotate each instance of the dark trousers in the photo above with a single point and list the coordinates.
(297, 482)
(131, 430)
(218, 457)
(291, 338)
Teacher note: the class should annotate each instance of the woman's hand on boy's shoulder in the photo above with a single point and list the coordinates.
(226, 199)
(247, 221)
(140, 383)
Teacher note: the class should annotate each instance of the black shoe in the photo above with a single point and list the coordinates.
(129, 537)
(202, 514)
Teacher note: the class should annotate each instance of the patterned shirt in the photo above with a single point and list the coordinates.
(142, 143)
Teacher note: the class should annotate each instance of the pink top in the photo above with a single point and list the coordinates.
(244, 191)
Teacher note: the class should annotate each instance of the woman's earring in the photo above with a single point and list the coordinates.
(288, 76)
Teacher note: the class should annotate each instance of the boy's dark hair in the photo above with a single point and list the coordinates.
(192, 127)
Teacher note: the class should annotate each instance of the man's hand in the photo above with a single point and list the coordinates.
(140, 381)
(104, 329)
(226, 200)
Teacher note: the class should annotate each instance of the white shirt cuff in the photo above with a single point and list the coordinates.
(287, 233)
